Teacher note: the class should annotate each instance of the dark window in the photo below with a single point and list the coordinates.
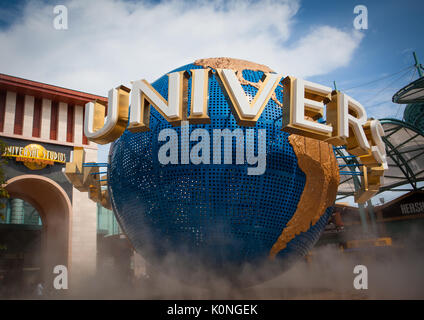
(19, 114)
(54, 120)
(36, 123)
(70, 124)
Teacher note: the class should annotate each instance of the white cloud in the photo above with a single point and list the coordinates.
(112, 42)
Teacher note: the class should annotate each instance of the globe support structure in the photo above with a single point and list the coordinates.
(405, 155)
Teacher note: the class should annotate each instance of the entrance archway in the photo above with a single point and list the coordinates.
(55, 209)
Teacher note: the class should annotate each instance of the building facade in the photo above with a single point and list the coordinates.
(398, 224)
(41, 124)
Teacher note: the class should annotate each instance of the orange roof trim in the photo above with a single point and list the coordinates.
(46, 91)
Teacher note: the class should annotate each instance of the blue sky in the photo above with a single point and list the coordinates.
(394, 31)
(112, 42)
(384, 49)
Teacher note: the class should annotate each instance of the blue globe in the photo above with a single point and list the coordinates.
(210, 215)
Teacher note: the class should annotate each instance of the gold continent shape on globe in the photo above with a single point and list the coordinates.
(315, 158)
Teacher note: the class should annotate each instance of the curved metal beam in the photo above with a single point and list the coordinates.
(408, 173)
(392, 151)
(401, 123)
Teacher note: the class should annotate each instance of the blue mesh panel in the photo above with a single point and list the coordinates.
(216, 213)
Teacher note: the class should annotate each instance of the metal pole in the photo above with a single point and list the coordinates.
(334, 83)
(362, 214)
(372, 217)
(417, 64)
(363, 217)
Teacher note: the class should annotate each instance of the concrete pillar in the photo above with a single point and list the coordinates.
(78, 125)
(84, 233)
(28, 116)
(46, 110)
(9, 117)
(62, 122)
